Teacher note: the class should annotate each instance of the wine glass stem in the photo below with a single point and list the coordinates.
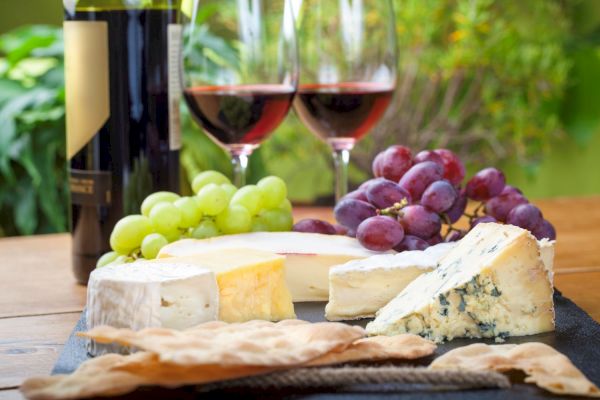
(239, 160)
(341, 159)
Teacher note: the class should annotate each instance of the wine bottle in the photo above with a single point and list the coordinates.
(122, 113)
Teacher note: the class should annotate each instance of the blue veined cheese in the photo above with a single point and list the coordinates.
(359, 288)
(493, 284)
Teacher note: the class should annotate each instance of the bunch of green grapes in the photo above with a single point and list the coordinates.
(218, 208)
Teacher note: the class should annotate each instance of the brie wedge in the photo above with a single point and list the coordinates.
(358, 289)
(251, 283)
(308, 256)
(147, 294)
(493, 284)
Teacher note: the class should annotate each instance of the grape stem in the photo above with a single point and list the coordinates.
(395, 210)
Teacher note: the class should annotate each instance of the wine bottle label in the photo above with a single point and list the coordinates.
(87, 83)
(174, 50)
(90, 188)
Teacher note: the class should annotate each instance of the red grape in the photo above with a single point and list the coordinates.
(340, 230)
(411, 243)
(365, 185)
(351, 213)
(439, 196)
(358, 194)
(421, 175)
(510, 189)
(418, 221)
(487, 183)
(454, 169)
(482, 220)
(499, 206)
(380, 233)
(545, 230)
(394, 163)
(455, 236)
(429, 155)
(435, 239)
(386, 193)
(314, 226)
(458, 208)
(526, 216)
(377, 172)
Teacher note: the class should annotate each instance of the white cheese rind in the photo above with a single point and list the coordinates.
(493, 284)
(309, 256)
(358, 289)
(150, 294)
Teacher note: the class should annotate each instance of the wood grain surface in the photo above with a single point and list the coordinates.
(40, 301)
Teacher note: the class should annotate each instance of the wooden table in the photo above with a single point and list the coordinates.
(40, 302)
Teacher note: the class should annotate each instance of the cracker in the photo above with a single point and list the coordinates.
(545, 366)
(259, 343)
(400, 347)
(113, 375)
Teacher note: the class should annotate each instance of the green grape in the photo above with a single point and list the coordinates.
(212, 199)
(259, 225)
(152, 244)
(128, 233)
(121, 260)
(277, 219)
(230, 189)
(206, 229)
(190, 212)
(286, 205)
(156, 198)
(249, 197)
(106, 259)
(207, 177)
(172, 236)
(274, 191)
(234, 219)
(165, 217)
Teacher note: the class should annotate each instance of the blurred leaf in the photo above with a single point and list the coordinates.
(19, 43)
(581, 105)
(25, 212)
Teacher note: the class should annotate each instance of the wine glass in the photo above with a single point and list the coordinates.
(348, 72)
(240, 71)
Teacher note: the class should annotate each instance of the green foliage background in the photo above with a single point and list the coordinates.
(532, 68)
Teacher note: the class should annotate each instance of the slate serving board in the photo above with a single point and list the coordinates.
(577, 336)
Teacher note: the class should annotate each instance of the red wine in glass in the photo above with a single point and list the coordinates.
(240, 114)
(342, 110)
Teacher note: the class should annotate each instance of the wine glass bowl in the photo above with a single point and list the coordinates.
(240, 72)
(348, 72)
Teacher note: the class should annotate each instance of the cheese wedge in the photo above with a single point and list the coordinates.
(150, 294)
(251, 283)
(308, 256)
(358, 289)
(493, 284)
(547, 254)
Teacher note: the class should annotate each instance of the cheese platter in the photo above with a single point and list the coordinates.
(397, 293)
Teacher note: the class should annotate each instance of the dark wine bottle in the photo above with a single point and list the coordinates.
(122, 102)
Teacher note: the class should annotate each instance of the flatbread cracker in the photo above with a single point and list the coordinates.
(399, 347)
(114, 374)
(545, 366)
(230, 350)
(258, 343)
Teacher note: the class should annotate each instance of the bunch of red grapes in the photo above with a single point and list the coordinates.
(410, 199)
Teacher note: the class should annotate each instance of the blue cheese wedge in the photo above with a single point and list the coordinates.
(493, 285)
(148, 294)
(358, 289)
